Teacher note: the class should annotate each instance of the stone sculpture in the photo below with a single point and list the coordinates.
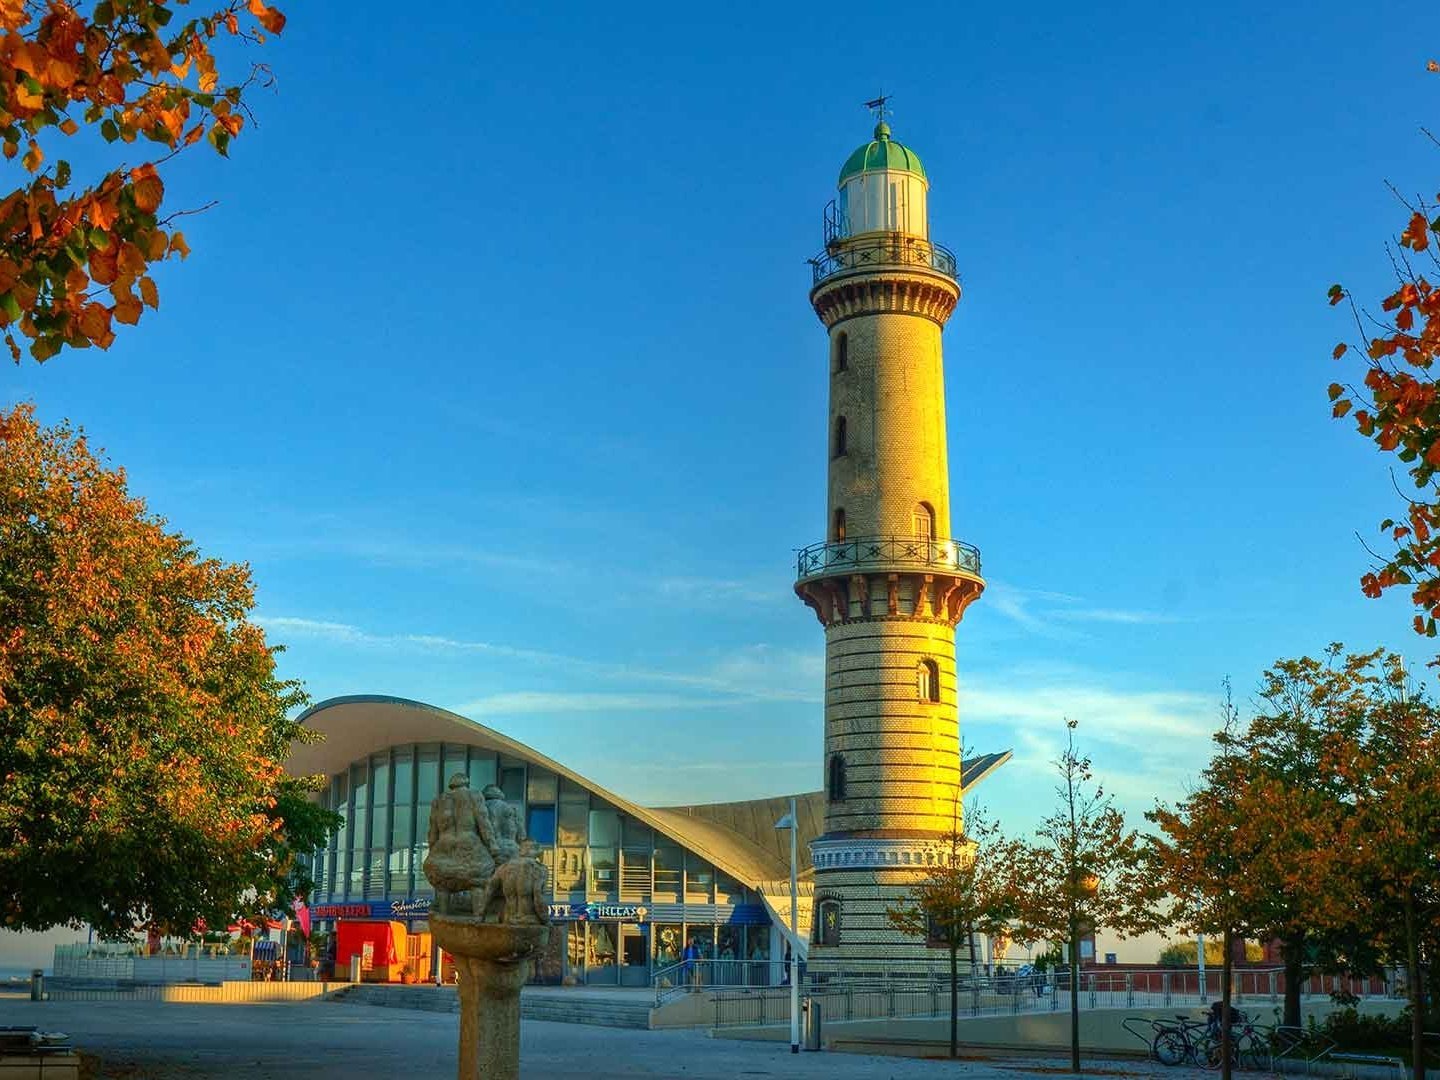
(517, 890)
(505, 824)
(494, 945)
(462, 847)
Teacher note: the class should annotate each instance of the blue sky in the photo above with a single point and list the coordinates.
(495, 362)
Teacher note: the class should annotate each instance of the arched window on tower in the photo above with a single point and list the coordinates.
(839, 436)
(842, 352)
(927, 680)
(924, 521)
(839, 529)
(826, 930)
(837, 777)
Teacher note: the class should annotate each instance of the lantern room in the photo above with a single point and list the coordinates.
(882, 189)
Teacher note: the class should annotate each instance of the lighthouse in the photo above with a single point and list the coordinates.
(889, 582)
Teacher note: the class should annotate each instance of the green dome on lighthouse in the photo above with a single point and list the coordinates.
(881, 152)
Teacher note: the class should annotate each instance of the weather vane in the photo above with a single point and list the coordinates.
(879, 106)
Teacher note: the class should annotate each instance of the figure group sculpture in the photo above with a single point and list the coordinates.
(479, 853)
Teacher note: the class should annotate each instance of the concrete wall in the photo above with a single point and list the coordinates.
(229, 993)
(1101, 1030)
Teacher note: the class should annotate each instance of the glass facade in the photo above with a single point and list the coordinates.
(602, 862)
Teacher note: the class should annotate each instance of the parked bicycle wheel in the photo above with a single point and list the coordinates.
(1169, 1047)
(1252, 1052)
(1208, 1051)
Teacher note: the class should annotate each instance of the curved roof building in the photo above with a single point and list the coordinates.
(630, 885)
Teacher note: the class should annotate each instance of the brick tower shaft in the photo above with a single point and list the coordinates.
(889, 583)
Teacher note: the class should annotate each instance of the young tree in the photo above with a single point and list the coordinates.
(142, 726)
(1393, 837)
(74, 257)
(967, 893)
(1201, 863)
(1086, 871)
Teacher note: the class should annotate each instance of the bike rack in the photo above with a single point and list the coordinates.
(1148, 1038)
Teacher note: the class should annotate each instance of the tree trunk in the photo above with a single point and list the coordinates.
(955, 997)
(1416, 988)
(1074, 994)
(1292, 951)
(1226, 1037)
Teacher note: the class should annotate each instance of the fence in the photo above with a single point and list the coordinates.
(909, 997)
(121, 963)
(687, 976)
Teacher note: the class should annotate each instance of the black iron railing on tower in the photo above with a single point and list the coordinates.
(877, 552)
(882, 249)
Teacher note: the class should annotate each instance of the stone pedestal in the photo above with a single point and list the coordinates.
(492, 961)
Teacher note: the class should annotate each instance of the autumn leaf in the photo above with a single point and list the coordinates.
(1339, 350)
(134, 75)
(1416, 234)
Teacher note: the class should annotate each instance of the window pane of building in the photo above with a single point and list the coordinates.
(573, 814)
(482, 770)
(404, 775)
(635, 874)
(699, 877)
(512, 783)
(604, 828)
(454, 763)
(636, 833)
(360, 826)
(540, 825)
(669, 867)
(542, 787)
(570, 870)
(602, 872)
(427, 774)
(728, 890)
(402, 807)
(421, 847)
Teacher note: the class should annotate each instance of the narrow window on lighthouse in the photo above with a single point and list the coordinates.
(927, 677)
(839, 436)
(842, 352)
(837, 777)
(839, 526)
(924, 521)
(827, 922)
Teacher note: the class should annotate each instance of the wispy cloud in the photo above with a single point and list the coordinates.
(512, 704)
(752, 673)
(1044, 612)
(718, 590)
(1128, 717)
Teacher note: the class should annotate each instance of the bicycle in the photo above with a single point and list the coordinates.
(1184, 1041)
(1249, 1046)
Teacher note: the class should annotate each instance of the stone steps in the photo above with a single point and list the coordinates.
(566, 1007)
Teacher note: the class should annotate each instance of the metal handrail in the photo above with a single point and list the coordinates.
(863, 552)
(688, 976)
(858, 254)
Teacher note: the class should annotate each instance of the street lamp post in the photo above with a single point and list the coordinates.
(790, 821)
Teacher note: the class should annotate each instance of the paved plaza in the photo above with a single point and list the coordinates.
(303, 1041)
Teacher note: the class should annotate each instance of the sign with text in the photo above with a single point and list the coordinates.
(633, 913)
(411, 908)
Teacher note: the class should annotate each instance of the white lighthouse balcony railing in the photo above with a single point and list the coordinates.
(864, 253)
(862, 553)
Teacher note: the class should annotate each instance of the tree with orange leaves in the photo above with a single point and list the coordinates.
(1396, 404)
(1316, 823)
(142, 726)
(1084, 871)
(75, 259)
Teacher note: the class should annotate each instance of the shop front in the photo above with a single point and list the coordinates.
(600, 944)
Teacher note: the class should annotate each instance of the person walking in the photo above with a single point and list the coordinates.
(691, 968)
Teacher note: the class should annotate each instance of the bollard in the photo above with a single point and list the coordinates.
(355, 968)
(37, 984)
